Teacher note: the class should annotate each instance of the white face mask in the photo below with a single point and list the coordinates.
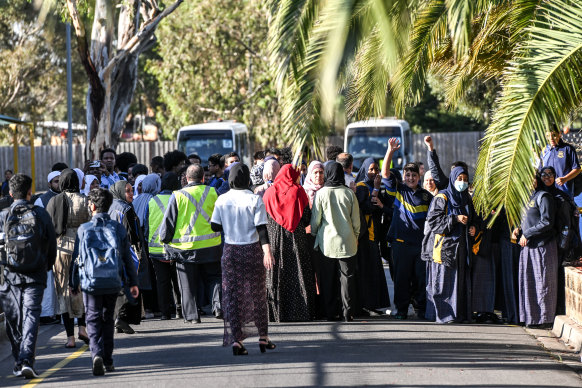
(461, 186)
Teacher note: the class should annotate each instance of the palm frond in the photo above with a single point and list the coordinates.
(543, 85)
(430, 28)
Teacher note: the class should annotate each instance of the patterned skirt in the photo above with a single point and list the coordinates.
(244, 293)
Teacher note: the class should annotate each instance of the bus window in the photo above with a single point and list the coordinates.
(372, 142)
(205, 143)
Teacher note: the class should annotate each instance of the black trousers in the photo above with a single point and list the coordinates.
(211, 276)
(99, 313)
(337, 279)
(167, 280)
(22, 305)
(409, 278)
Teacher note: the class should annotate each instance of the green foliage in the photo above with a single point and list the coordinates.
(33, 68)
(543, 85)
(201, 67)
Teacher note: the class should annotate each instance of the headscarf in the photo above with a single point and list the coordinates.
(88, 180)
(334, 174)
(428, 174)
(69, 181)
(270, 170)
(170, 181)
(58, 206)
(80, 175)
(239, 177)
(457, 201)
(310, 186)
(118, 190)
(52, 175)
(363, 172)
(257, 174)
(138, 180)
(150, 186)
(550, 189)
(285, 201)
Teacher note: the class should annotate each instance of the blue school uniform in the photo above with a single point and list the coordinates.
(564, 159)
(406, 234)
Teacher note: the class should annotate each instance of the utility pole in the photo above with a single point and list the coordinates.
(69, 97)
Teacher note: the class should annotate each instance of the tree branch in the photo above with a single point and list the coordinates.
(83, 48)
(137, 42)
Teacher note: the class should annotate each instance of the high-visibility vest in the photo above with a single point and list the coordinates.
(157, 207)
(195, 207)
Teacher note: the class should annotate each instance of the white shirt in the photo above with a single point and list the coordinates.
(240, 212)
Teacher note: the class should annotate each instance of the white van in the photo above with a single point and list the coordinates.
(220, 137)
(369, 139)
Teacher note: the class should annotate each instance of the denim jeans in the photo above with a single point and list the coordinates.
(22, 305)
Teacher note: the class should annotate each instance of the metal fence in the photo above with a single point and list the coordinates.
(450, 146)
(46, 156)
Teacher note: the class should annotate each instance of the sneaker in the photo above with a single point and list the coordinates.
(17, 371)
(98, 366)
(110, 368)
(27, 371)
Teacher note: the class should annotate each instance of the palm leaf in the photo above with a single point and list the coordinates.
(543, 85)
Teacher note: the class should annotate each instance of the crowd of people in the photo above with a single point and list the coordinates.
(119, 242)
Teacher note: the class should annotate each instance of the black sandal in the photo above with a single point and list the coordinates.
(265, 344)
(239, 350)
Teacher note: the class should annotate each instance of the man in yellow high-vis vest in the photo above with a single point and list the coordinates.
(191, 242)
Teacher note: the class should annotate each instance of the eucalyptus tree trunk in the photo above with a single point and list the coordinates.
(112, 73)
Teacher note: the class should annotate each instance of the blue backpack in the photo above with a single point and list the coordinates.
(98, 261)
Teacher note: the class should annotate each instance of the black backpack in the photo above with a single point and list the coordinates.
(22, 245)
(567, 227)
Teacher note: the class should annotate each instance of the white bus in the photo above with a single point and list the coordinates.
(369, 139)
(219, 137)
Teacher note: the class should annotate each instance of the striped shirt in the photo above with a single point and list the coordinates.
(410, 211)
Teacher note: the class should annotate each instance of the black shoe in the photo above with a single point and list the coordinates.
(27, 371)
(98, 366)
(84, 338)
(218, 314)
(49, 321)
(110, 368)
(17, 371)
(401, 316)
(123, 327)
(165, 317)
(239, 350)
(337, 318)
(265, 344)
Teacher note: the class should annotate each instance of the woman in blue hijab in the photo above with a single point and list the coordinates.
(449, 230)
(370, 278)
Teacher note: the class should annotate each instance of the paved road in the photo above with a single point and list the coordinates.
(379, 352)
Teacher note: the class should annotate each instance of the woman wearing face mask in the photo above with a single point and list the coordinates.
(370, 278)
(538, 259)
(451, 224)
(406, 233)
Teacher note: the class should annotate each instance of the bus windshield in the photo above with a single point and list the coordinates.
(205, 143)
(372, 142)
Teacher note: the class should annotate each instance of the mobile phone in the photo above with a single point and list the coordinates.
(95, 164)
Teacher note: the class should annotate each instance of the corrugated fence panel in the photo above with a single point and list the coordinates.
(46, 156)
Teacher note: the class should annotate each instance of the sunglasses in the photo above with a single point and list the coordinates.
(547, 175)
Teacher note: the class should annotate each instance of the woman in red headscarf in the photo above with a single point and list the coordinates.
(290, 283)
